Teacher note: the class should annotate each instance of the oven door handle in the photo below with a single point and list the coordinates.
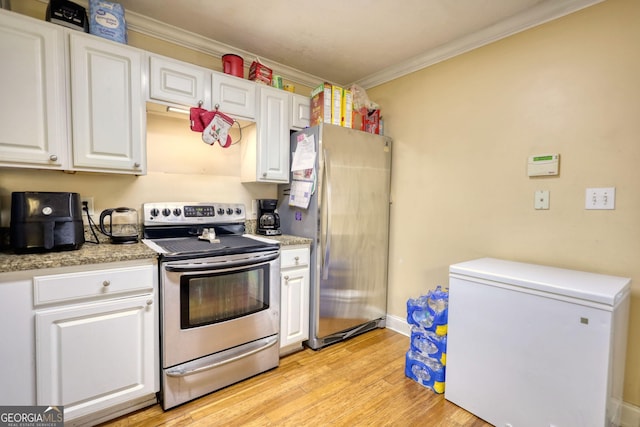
(217, 265)
(183, 371)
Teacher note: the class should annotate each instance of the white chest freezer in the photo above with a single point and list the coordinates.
(532, 345)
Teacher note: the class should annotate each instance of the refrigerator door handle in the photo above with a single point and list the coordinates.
(327, 201)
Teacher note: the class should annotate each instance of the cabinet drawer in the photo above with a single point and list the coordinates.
(294, 257)
(91, 284)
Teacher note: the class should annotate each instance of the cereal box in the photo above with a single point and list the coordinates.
(321, 104)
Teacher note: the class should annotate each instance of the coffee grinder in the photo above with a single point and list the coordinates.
(268, 218)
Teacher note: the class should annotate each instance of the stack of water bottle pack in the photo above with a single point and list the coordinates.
(426, 358)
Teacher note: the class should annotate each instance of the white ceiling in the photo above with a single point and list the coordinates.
(363, 41)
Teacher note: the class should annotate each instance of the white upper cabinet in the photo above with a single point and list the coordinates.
(177, 82)
(33, 118)
(107, 106)
(300, 111)
(234, 96)
(87, 115)
(268, 160)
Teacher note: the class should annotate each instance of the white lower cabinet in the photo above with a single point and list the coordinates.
(17, 352)
(97, 341)
(294, 294)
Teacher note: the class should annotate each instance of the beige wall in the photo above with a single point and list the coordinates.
(463, 130)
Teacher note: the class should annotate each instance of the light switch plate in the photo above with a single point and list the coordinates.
(541, 199)
(600, 198)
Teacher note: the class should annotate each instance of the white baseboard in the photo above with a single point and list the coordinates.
(630, 414)
(398, 324)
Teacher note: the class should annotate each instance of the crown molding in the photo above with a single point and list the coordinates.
(538, 15)
(160, 30)
(533, 17)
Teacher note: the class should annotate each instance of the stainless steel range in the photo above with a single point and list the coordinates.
(219, 292)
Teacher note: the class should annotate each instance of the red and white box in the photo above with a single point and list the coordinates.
(260, 73)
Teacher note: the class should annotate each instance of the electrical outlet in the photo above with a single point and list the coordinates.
(89, 201)
(600, 198)
(541, 200)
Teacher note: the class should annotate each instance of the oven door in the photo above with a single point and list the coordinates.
(214, 304)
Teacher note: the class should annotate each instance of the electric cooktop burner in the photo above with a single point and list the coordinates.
(173, 229)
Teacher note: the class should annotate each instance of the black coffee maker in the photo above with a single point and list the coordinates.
(268, 218)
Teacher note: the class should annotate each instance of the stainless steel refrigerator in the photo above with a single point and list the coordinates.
(341, 200)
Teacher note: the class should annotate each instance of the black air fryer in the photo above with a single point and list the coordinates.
(46, 221)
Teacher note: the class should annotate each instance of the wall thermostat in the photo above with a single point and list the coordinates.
(543, 165)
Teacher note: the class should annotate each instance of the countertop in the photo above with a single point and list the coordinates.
(91, 253)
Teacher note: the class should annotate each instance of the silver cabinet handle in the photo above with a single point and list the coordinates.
(53, 157)
(220, 359)
(136, 165)
(286, 279)
(149, 301)
(106, 283)
(297, 259)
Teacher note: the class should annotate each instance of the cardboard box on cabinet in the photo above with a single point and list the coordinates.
(260, 73)
(321, 104)
(366, 120)
(346, 113)
(336, 105)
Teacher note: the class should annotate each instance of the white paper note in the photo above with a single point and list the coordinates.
(305, 155)
(300, 193)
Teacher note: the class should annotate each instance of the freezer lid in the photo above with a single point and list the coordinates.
(594, 287)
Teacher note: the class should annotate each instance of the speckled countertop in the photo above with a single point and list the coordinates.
(91, 253)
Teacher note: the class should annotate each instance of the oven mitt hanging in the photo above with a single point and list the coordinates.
(217, 127)
(195, 115)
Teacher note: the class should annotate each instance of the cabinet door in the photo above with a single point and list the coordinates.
(17, 332)
(178, 82)
(294, 303)
(93, 356)
(294, 320)
(108, 111)
(233, 95)
(33, 118)
(300, 111)
(272, 150)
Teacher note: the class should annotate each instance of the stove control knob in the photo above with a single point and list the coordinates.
(177, 211)
(154, 212)
(238, 211)
(220, 211)
(166, 212)
(229, 211)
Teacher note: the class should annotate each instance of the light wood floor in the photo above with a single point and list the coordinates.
(359, 382)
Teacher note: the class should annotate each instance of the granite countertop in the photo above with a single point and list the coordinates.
(91, 253)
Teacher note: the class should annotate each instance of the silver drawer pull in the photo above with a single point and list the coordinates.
(149, 301)
(53, 157)
(106, 283)
(286, 279)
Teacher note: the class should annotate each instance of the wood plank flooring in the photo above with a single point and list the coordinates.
(359, 382)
